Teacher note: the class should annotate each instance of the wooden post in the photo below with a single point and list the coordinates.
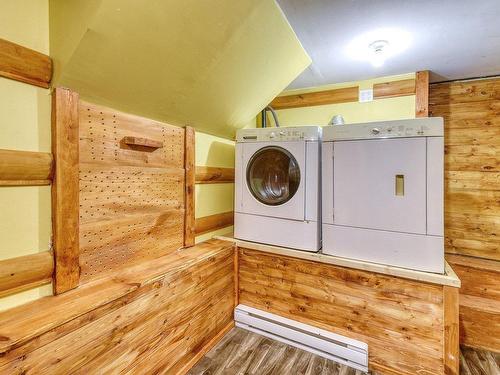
(422, 94)
(65, 190)
(189, 165)
(451, 333)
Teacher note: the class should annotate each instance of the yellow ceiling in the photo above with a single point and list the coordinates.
(212, 64)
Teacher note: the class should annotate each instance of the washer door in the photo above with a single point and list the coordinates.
(273, 175)
(271, 180)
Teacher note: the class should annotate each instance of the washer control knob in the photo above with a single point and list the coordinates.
(282, 133)
(375, 131)
(272, 135)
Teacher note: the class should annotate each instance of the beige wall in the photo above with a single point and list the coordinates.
(25, 224)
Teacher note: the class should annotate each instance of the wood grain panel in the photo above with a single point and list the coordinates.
(65, 186)
(479, 301)
(213, 222)
(214, 175)
(158, 326)
(189, 221)
(25, 272)
(343, 95)
(393, 89)
(422, 94)
(24, 64)
(132, 196)
(401, 320)
(21, 168)
(471, 112)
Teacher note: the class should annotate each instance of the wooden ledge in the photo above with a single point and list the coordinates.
(41, 321)
(449, 278)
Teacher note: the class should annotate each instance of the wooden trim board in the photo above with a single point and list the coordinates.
(422, 94)
(213, 222)
(343, 95)
(451, 331)
(25, 168)
(25, 272)
(189, 165)
(394, 89)
(65, 189)
(449, 278)
(214, 175)
(25, 65)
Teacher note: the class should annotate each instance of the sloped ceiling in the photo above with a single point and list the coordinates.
(211, 64)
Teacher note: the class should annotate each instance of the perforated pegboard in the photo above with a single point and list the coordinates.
(131, 198)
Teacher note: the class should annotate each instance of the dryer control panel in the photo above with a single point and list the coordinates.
(296, 133)
(424, 127)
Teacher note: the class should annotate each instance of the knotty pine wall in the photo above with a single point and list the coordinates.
(471, 111)
(25, 225)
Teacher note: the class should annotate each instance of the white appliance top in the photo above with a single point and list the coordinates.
(419, 127)
(293, 133)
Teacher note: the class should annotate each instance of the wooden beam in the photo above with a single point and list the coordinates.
(422, 94)
(189, 160)
(65, 189)
(394, 89)
(214, 175)
(25, 168)
(25, 272)
(213, 222)
(24, 64)
(451, 328)
(343, 95)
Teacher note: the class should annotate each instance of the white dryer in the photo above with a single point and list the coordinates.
(383, 193)
(277, 187)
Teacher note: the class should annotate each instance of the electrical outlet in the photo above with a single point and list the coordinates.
(365, 95)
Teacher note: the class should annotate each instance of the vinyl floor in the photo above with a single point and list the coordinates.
(244, 352)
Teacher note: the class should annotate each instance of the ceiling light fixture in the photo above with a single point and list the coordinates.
(378, 45)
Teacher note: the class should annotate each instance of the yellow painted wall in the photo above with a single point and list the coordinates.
(211, 199)
(210, 64)
(376, 110)
(25, 214)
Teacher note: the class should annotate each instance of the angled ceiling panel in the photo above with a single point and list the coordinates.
(210, 64)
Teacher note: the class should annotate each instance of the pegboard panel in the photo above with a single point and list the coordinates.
(131, 197)
(101, 139)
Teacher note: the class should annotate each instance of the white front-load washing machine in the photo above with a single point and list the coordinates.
(277, 187)
(383, 193)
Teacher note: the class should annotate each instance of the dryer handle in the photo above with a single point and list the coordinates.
(399, 185)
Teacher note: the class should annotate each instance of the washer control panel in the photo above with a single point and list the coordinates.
(424, 127)
(297, 133)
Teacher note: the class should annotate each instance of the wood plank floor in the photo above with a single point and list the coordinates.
(243, 352)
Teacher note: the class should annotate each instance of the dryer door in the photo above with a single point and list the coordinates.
(273, 176)
(380, 184)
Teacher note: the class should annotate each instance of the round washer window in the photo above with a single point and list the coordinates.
(273, 175)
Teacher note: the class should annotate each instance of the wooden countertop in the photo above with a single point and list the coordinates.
(449, 278)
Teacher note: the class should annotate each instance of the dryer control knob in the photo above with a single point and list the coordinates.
(375, 131)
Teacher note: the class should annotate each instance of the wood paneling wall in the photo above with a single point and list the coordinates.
(471, 112)
(157, 317)
(407, 324)
(479, 301)
(132, 197)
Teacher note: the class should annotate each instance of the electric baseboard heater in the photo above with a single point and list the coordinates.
(329, 345)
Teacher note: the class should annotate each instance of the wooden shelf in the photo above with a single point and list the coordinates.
(448, 278)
